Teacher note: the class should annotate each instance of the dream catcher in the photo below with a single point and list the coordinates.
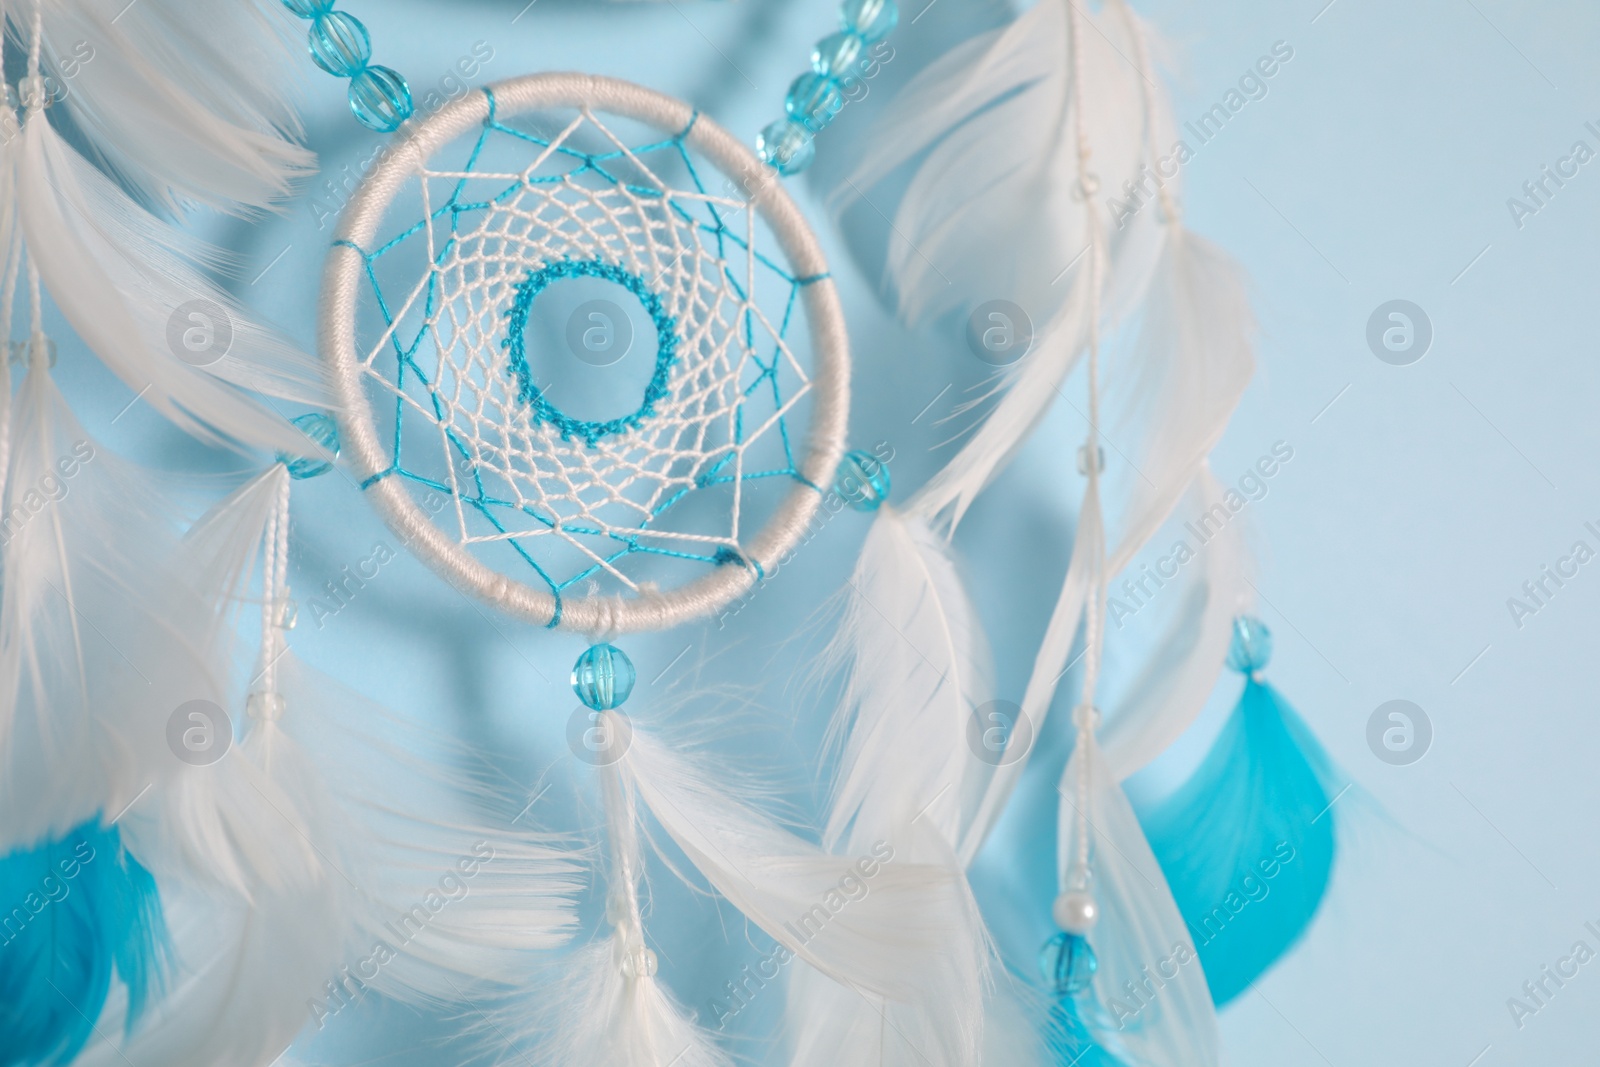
(279, 860)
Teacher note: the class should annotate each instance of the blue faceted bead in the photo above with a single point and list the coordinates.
(863, 480)
(340, 44)
(308, 9)
(838, 56)
(380, 98)
(813, 100)
(603, 677)
(1252, 645)
(786, 145)
(324, 434)
(872, 19)
(1068, 964)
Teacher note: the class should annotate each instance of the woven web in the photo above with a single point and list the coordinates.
(488, 448)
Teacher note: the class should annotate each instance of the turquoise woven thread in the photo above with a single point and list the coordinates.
(761, 378)
(537, 282)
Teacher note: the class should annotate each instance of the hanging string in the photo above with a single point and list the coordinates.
(274, 603)
(1169, 207)
(36, 339)
(634, 957)
(8, 295)
(1094, 609)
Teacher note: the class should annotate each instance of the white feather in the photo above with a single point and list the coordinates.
(1178, 675)
(885, 934)
(324, 855)
(101, 637)
(183, 99)
(995, 207)
(917, 665)
(601, 1006)
(1173, 394)
(608, 1018)
(118, 275)
(1149, 1004)
(1048, 665)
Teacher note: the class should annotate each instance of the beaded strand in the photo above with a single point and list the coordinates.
(340, 45)
(818, 95)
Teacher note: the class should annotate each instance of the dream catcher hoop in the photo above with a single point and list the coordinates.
(727, 273)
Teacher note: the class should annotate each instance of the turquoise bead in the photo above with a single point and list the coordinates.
(863, 480)
(813, 100)
(308, 9)
(872, 19)
(1068, 964)
(380, 98)
(323, 432)
(1251, 648)
(603, 677)
(838, 56)
(786, 145)
(340, 44)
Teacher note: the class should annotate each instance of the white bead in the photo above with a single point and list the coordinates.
(639, 962)
(1076, 912)
(265, 707)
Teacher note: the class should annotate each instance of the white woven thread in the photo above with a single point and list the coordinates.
(565, 478)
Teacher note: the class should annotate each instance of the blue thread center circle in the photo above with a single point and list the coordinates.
(588, 430)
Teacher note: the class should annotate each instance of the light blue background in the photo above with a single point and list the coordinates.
(1419, 498)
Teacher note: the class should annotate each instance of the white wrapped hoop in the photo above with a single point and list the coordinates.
(816, 459)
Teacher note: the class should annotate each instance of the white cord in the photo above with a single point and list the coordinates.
(1094, 609)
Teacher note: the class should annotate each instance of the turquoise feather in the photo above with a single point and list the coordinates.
(1247, 843)
(1069, 1040)
(76, 911)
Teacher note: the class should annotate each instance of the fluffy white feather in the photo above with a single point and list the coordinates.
(325, 855)
(1148, 1004)
(1178, 675)
(101, 637)
(605, 1003)
(875, 923)
(916, 664)
(995, 205)
(183, 99)
(606, 1017)
(1049, 664)
(1171, 396)
(118, 274)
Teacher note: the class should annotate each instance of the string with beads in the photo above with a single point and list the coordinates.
(817, 96)
(339, 43)
(1067, 959)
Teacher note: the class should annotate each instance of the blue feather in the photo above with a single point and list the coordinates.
(1069, 1040)
(1247, 843)
(73, 911)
